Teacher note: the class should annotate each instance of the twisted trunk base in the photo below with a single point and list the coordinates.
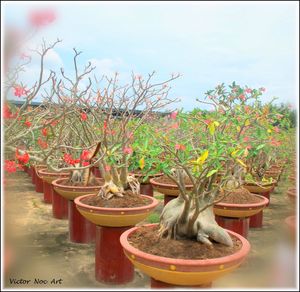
(204, 229)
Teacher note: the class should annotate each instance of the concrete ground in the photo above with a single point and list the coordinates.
(37, 246)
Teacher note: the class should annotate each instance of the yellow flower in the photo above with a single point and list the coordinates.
(142, 163)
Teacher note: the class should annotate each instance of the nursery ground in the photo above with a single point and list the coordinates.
(37, 245)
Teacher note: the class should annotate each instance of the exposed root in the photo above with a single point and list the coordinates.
(134, 184)
(110, 189)
(205, 228)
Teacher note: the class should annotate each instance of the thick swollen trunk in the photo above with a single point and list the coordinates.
(204, 229)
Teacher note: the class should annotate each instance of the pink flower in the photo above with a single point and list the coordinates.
(23, 56)
(19, 91)
(174, 126)
(247, 109)
(246, 139)
(173, 115)
(275, 143)
(279, 116)
(107, 168)
(248, 90)
(221, 111)
(180, 147)
(39, 18)
(242, 97)
(276, 129)
(85, 163)
(207, 122)
(262, 89)
(127, 150)
(248, 147)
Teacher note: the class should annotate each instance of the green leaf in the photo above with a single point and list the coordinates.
(260, 146)
(210, 173)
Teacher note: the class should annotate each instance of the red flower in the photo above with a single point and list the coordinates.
(83, 116)
(22, 158)
(180, 147)
(246, 139)
(10, 166)
(85, 163)
(105, 125)
(7, 114)
(85, 155)
(43, 144)
(68, 159)
(45, 132)
(19, 91)
(27, 124)
(127, 150)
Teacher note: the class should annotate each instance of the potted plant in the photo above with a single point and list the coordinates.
(188, 220)
(118, 205)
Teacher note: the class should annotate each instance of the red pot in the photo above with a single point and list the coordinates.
(235, 216)
(183, 272)
(48, 177)
(80, 229)
(38, 180)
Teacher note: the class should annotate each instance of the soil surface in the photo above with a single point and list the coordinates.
(240, 196)
(147, 240)
(90, 184)
(165, 180)
(128, 201)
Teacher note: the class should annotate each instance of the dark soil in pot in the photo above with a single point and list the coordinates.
(128, 201)
(240, 196)
(147, 240)
(165, 180)
(71, 184)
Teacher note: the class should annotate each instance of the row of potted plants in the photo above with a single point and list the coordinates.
(98, 146)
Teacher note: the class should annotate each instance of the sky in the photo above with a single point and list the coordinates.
(253, 43)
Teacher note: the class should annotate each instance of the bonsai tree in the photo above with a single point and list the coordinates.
(209, 150)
